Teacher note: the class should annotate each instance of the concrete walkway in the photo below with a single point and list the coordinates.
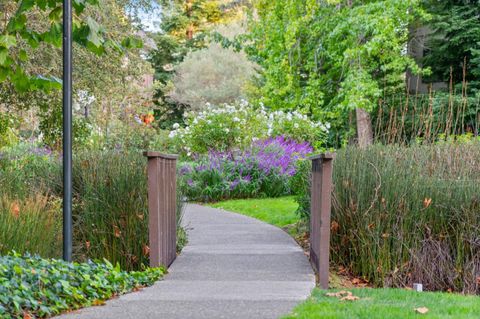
(233, 267)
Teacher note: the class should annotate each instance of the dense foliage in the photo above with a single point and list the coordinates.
(32, 287)
(403, 215)
(29, 25)
(327, 58)
(229, 127)
(110, 207)
(264, 170)
(455, 41)
(185, 28)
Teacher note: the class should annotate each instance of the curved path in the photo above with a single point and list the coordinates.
(233, 267)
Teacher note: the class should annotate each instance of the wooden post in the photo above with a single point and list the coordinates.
(320, 211)
(162, 225)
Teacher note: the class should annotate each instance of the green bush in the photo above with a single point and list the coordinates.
(34, 287)
(404, 215)
(229, 127)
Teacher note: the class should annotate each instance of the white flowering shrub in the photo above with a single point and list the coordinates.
(227, 127)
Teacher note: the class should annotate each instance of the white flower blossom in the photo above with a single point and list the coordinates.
(176, 126)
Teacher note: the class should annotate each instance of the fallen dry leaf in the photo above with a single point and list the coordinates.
(427, 202)
(339, 294)
(334, 227)
(350, 298)
(117, 231)
(146, 250)
(27, 315)
(98, 302)
(15, 210)
(421, 310)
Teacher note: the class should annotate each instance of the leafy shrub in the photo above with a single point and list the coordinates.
(7, 135)
(214, 74)
(31, 286)
(404, 215)
(263, 170)
(237, 126)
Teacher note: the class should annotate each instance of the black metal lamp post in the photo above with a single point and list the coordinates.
(67, 130)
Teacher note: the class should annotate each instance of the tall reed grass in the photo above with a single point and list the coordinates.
(31, 224)
(403, 215)
(406, 118)
(110, 208)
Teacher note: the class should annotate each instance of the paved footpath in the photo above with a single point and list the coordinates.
(233, 267)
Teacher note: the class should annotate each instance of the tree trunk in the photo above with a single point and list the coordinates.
(364, 128)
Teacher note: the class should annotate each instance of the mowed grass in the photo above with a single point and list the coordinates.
(388, 304)
(373, 303)
(276, 211)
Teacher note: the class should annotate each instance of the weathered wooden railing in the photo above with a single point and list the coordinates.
(162, 205)
(320, 211)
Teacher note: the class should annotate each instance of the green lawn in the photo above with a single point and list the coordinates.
(373, 303)
(388, 304)
(276, 211)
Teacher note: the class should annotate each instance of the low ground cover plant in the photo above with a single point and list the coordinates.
(263, 170)
(32, 287)
(404, 215)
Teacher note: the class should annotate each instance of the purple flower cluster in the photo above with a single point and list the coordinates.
(265, 168)
(280, 154)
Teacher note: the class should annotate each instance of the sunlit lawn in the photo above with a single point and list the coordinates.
(276, 211)
(388, 304)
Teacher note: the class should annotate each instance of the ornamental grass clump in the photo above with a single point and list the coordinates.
(32, 224)
(403, 215)
(264, 170)
(110, 207)
(32, 287)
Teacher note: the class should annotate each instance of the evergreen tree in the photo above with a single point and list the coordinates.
(455, 40)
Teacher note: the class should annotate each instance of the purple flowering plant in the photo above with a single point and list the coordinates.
(262, 170)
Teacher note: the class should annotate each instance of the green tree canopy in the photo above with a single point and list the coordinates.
(455, 39)
(330, 57)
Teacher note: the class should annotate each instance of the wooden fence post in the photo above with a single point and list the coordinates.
(320, 211)
(162, 223)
